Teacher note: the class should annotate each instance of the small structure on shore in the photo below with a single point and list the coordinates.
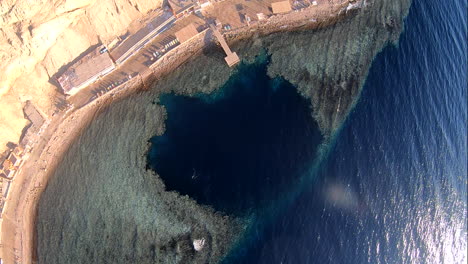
(181, 8)
(37, 120)
(281, 7)
(186, 33)
(86, 71)
(231, 58)
(261, 16)
(201, 5)
(10, 166)
(5, 189)
(33, 115)
(8, 173)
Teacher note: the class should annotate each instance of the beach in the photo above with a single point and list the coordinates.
(18, 227)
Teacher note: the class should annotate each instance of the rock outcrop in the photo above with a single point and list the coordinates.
(37, 38)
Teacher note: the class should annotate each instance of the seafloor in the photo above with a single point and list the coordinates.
(103, 206)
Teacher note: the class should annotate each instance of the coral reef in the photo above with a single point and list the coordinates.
(330, 65)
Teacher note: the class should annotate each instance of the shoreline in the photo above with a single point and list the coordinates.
(18, 226)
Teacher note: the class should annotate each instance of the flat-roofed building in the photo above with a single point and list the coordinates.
(2, 205)
(204, 3)
(2, 199)
(281, 7)
(3, 157)
(9, 173)
(86, 71)
(13, 159)
(138, 40)
(5, 188)
(37, 120)
(181, 8)
(33, 115)
(186, 33)
(7, 165)
(19, 151)
(10, 165)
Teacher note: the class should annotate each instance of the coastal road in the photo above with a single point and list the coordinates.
(23, 185)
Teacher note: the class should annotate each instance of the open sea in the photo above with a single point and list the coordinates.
(389, 186)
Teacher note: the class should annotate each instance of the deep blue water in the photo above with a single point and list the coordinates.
(239, 148)
(392, 188)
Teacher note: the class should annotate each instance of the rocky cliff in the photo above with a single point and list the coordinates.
(37, 38)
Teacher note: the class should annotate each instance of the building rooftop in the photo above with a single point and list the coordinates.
(18, 151)
(179, 6)
(120, 53)
(7, 166)
(186, 33)
(281, 7)
(13, 159)
(5, 188)
(86, 70)
(33, 115)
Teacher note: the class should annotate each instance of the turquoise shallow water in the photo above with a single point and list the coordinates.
(389, 187)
